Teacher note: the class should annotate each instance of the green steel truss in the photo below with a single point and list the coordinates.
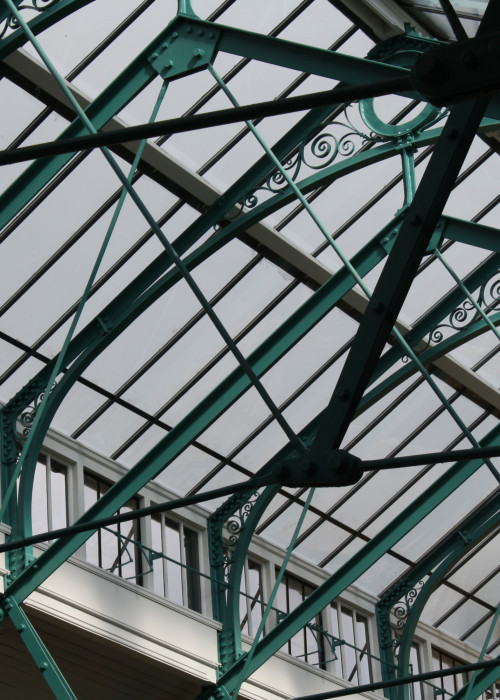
(187, 45)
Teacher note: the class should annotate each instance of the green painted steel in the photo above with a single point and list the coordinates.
(441, 316)
(349, 572)
(141, 71)
(397, 274)
(483, 682)
(48, 16)
(112, 317)
(110, 102)
(491, 666)
(406, 239)
(109, 320)
(471, 233)
(119, 315)
(408, 596)
(46, 664)
(181, 435)
(240, 516)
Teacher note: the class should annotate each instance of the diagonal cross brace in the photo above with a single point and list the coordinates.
(398, 273)
(38, 651)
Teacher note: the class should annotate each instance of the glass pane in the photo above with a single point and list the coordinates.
(39, 502)
(255, 591)
(58, 495)
(173, 550)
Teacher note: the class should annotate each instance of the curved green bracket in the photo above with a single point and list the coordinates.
(140, 294)
(459, 338)
(240, 515)
(398, 636)
(348, 572)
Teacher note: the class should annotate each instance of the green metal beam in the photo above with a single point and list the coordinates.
(399, 271)
(434, 353)
(131, 303)
(470, 233)
(349, 572)
(41, 656)
(483, 682)
(47, 17)
(490, 669)
(439, 560)
(197, 421)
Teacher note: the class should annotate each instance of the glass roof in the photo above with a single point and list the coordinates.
(170, 356)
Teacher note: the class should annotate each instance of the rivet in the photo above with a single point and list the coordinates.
(344, 394)
(452, 135)
(198, 53)
(200, 32)
(44, 666)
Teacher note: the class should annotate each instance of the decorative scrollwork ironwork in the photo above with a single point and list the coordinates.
(353, 130)
(27, 417)
(334, 139)
(11, 22)
(399, 615)
(488, 299)
(233, 527)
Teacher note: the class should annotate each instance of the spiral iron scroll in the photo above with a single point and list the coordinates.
(488, 299)
(233, 527)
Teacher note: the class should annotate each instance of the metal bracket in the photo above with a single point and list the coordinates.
(436, 237)
(465, 536)
(324, 468)
(105, 323)
(189, 47)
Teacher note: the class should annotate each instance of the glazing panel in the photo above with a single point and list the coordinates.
(464, 618)
(80, 402)
(111, 429)
(281, 530)
(446, 515)
(58, 488)
(39, 512)
(174, 573)
(321, 542)
(187, 470)
(314, 25)
(477, 568)
(441, 600)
